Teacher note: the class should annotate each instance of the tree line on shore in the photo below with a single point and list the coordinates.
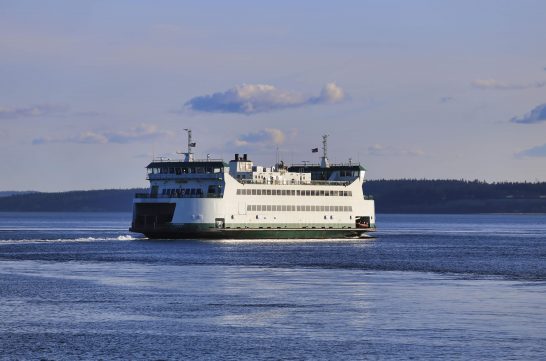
(391, 196)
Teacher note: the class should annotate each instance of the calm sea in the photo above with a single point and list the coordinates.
(80, 286)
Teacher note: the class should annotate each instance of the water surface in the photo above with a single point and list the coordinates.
(429, 286)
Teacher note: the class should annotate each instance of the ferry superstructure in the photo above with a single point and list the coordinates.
(209, 198)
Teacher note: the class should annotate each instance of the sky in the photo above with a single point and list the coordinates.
(91, 91)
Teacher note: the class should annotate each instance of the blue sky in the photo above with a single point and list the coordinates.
(90, 91)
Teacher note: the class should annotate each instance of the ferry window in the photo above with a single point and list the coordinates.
(333, 193)
(283, 192)
(327, 193)
(171, 170)
(253, 192)
(313, 208)
(238, 191)
(312, 192)
(269, 192)
(298, 208)
(253, 207)
(293, 192)
(164, 191)
(208, 170)
(259, 208)
(324, 217)
(184, 170)
(200, 170)
(217, 170)
(321, 193)
(350, 193)
(298, 192)
(178, 171)
(307, 192)
(164, 170)
(192, 191)
(248, 207)
(269, 208)
(350, 208)
(258, 192)
(331, 217)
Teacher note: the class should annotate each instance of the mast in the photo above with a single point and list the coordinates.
(324, 163)
(189, 153)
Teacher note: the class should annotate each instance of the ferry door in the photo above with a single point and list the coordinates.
(154, 191)
(242, 208)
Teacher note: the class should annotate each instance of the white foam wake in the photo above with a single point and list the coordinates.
(126, 237)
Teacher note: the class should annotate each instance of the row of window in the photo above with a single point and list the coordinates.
(181, 192)
(184, 170)
(292, 208)
(293, 192)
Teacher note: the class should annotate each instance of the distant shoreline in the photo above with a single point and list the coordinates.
(404, 196)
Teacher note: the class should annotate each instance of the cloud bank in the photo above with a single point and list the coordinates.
(537, 115)
(495, 84)
(538, 151)
(143, 132)
(258, 98)
(31, 111)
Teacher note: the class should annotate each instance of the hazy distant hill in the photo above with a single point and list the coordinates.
(109, 200)
(391, 196)
(10, 193)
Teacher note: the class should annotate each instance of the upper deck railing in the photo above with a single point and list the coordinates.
(202, 195)
(209, 160)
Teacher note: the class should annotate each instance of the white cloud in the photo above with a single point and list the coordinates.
(537, 115)
(495, 84)
(381, 150)
(257, 98)
(143, 132)
(31, 111)
(263, 138)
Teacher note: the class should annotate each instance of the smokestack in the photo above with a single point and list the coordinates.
(236, 156)
(244, 157)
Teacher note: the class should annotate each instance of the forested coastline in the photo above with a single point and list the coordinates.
(391, 196)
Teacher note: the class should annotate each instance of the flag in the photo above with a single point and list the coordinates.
(314, 150)
(192, 144)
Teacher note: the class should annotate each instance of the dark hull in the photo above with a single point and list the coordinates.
(251, 233)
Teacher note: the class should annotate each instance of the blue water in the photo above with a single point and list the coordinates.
(80, 286)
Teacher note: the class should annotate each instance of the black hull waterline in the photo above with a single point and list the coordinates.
(252, 233)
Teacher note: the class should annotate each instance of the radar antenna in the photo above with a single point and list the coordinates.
(189, 154)
(324, 163)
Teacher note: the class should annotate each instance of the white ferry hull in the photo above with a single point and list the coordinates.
(195, 199)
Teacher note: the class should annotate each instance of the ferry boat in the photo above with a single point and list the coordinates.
(209, 198)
